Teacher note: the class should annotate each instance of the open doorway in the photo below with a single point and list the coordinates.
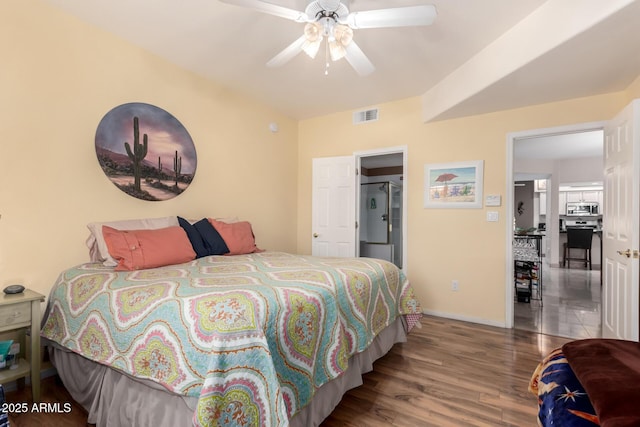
(554, 163)
(381, 201)
(336, 196)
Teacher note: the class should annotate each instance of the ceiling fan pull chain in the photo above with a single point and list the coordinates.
(326, 58)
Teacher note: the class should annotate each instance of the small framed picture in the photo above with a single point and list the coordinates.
(453, 185)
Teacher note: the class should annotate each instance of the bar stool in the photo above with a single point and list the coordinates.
(578, 238)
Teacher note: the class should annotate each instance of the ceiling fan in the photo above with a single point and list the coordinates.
(331, 20)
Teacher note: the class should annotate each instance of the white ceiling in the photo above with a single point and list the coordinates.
(230, 45)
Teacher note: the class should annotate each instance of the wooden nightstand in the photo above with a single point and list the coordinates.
(23, 311)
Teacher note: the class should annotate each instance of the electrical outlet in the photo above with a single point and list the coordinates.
(455, 286)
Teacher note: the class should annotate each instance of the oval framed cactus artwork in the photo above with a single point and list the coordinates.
(145, 151)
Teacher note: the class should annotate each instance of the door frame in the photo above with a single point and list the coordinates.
(381, 152)
(512, 137)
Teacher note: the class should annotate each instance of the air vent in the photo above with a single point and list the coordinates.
(365, 116)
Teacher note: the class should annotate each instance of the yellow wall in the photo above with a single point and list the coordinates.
(445, 244)
(633, 91)
(58, 78)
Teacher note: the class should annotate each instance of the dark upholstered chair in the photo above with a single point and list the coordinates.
(578, 238)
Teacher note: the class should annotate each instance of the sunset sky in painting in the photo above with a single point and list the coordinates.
(165, 135)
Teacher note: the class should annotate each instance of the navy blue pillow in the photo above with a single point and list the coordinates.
(212, 240)
(194, 237)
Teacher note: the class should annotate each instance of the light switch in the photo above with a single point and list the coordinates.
(492, 216)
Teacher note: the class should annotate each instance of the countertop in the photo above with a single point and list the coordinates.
(531, 234)
(597, 230)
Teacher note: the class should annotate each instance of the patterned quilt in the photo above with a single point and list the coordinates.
(251, 336)
(562, 400)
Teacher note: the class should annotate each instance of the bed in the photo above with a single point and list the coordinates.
(261, 338)
(590, 382)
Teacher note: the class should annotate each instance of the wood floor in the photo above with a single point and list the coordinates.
(448, 373)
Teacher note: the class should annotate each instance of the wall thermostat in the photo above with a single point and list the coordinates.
(493, 200)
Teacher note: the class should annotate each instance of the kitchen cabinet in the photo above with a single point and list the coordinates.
(578, 196)
(600, 200)
(562, 203)
(591, 196)
(574, 196)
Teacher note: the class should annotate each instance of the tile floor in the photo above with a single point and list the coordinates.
(571, 305)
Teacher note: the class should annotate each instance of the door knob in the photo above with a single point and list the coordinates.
(626, 253)
(315, 235)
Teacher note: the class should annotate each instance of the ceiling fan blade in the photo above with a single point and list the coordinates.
(358, 60)
(288, 53)
(271, 9)
(394, 17)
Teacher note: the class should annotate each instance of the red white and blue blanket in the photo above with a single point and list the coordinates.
(589, 382)
(562, 401)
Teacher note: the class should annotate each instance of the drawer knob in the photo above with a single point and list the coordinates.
(13, 316)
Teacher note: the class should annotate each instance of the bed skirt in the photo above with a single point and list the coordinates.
(114, 399)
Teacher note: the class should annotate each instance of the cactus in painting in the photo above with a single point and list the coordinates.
(139, 152)
(177, 166)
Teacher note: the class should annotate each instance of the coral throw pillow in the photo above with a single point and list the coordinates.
(98, 250)
(141, 249)
(237, 235)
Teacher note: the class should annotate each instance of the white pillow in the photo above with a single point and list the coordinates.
(98, 247)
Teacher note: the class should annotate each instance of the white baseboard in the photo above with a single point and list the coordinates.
(469, 319)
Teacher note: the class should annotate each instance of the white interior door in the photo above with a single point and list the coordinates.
(620, 297)
(333, 212)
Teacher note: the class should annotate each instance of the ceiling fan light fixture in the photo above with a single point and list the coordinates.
(311, 48)
(313, 38)
(336, 50)
(343, 34)
(313, 31)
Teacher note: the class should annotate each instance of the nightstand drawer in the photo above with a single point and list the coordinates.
(15, 313)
